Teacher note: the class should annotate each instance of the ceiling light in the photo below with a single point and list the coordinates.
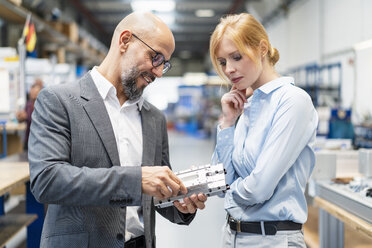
(363, 45)
(161, 6)
(204, 13)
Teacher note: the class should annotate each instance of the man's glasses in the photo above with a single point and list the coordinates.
(158, 59)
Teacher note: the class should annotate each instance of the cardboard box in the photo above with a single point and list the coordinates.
(16, 2)
(84, 43)
(61, 55)
(69, 29)
(57, 26)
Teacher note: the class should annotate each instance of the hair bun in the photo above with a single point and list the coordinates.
(274, 56)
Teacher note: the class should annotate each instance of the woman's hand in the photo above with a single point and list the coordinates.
(191, 204)
(232, 106)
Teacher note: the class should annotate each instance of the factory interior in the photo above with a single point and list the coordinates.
(324, 45)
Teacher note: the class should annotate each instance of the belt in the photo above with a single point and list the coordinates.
(270, 227)
(138, 242)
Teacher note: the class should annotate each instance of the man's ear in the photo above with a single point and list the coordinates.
(264, 47)
(124, 40)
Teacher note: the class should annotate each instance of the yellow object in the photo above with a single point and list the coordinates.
(11, 59)
(30, 34)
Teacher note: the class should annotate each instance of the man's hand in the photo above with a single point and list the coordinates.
(161, 182)
(190, 204)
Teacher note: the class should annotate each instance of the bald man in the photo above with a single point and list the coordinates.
(98, 151)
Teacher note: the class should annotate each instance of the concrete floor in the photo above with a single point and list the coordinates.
(205, 230)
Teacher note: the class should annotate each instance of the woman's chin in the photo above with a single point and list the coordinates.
(241, 86)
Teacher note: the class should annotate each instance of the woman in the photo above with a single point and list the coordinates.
(265, 142)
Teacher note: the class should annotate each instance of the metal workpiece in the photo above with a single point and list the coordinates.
(207, 179)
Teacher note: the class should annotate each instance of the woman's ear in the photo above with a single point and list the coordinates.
(264, 47)
(124, 39)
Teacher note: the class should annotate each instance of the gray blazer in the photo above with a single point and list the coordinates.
(75, 168)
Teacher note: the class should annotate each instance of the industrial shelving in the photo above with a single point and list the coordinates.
(92, 53)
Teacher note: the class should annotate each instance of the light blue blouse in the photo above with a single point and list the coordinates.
(268, 156)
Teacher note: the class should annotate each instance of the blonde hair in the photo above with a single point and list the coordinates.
(245, 31)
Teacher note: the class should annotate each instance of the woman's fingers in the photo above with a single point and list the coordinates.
(237, 100)
(242, 94)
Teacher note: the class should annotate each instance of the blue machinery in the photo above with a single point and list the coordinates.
(35, 228)
(314, 80)
(340, 125)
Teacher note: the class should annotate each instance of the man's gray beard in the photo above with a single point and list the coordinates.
(129, 82)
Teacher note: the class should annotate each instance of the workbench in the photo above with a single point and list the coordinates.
(338, 205)
(14, 172)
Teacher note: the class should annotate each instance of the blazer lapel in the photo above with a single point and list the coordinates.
(96, 110)
(148, 135)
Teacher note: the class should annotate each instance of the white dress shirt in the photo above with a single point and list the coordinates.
(126, 123)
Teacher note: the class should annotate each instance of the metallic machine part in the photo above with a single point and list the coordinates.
(207, 179)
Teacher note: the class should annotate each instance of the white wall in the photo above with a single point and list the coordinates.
(325, 31)
(363, 92)
(297, 36)
(342, 24)
(278, 35)
(303, 38)
(367, 19)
